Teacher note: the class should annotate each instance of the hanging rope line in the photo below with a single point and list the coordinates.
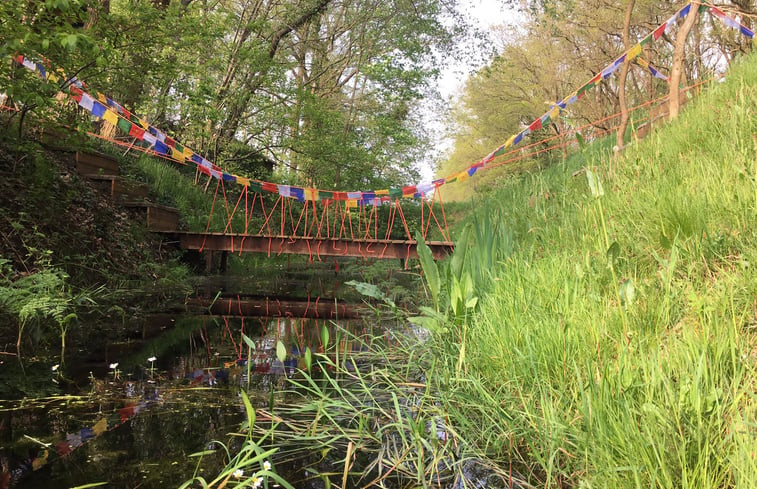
(111, 111)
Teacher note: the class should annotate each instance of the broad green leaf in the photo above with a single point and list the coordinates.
(430, 271)
(370, 290)
(281, 351)
(581, 141)
(613, 252)
(627, 292)
(461, 249)
(324, 336)
(595, 185)
(430, 323)
(308, 358)
(249, 410)
(248, 340)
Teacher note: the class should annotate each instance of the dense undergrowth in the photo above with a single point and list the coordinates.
(612, 343)
(68, 255)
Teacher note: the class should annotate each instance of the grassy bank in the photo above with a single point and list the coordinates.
(613, 342)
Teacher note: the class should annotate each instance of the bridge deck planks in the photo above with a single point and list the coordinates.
(313, 247)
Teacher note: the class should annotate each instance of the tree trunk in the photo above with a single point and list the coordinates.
(620, 140)
(674, 98)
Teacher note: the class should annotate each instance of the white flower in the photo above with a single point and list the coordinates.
(114, 365)
(257, 481)
(55, 367)
(266, 465)
(152, 359)
(238, 473)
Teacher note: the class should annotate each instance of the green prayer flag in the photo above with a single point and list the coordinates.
(325, 195)
(124, 125)
(256, 187)
(395, 193)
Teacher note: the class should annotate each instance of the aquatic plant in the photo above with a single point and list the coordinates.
(250, 466)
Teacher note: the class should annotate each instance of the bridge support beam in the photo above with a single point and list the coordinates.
(315, 248)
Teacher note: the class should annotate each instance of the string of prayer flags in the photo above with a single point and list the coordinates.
(105, 108)
(648, 66)
(732, 23)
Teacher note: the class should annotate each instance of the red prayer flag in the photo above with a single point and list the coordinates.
(409, 190)
(535, 124)
(63, 448)
(126, 413)
(137, 132)
(170, 141)
(270, 187)
(658, 32)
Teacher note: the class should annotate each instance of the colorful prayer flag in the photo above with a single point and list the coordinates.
(98, 109)
(111, 117)
(136, 132)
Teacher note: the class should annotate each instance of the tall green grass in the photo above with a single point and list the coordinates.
(613, 343)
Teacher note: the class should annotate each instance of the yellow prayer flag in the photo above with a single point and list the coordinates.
(245, 182)
(463, 176)
(100, 427)
(177, 155)
(352, 203)
(633, 52)
(555, 112)
(144, 124)
(188, 152)
(111, 117)
(53, 77)
(382, 192)
(643, 63)
(509, 142)
(102, 98)
(41, 460)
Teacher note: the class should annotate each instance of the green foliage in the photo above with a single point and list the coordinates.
(37, 299)
(613, 346)
(250, 466)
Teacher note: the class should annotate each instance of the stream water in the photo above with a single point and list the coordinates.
(130, 412)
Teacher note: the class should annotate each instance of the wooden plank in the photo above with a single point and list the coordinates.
(157, 217)
(161, 218)
(95, 164)
(124, 189)
(316, 248)
(120, 188)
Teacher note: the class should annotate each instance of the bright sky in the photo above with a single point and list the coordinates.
(484, 14)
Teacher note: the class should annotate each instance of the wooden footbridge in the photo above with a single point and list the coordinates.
(328, 228)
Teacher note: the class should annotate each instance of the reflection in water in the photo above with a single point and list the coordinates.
(137, 427)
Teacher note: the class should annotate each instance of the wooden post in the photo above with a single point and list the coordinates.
(208, 261)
